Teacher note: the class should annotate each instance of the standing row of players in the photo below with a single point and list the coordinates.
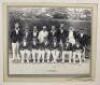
(23, 42)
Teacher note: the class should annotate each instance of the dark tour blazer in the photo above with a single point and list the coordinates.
(22, 47)
(68, 48)
(27, 40)
(62, 36)
(16, 37)
(31, 36)
(31, 40)
(35, 46)
(77, 48)
(46, 46)
(52, 46)
(51, 36)
(83, 40)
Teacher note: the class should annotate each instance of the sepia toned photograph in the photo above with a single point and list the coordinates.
(49, 41)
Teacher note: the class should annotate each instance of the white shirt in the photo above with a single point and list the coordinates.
(35, 34)
(81, 35)
(71, 37)
(42, 36)
(34, 42)
(71, 34)
(26, 34)
(53, 32)
(24, 43)
(62, 30)
(17, 31)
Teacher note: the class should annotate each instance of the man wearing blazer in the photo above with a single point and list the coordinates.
(25, 46)
(55, 50)
(52, 33)
(62, 34)
(84, 41)
(16, 37)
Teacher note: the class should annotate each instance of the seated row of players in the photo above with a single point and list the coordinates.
(28, 43)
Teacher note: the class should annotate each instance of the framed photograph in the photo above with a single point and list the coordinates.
(49, 42)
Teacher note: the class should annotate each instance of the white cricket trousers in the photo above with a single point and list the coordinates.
(41, 54)
(48, 53)
(55, 54)
(23, 53)
(15, 50)
(34, 52)
(68, 54)
(77, 55)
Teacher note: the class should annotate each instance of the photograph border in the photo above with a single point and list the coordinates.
(91, 76)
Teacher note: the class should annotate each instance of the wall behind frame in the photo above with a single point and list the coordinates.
(97, 78)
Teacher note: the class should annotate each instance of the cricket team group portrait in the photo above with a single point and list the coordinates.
(45, 45)
(53, 38)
